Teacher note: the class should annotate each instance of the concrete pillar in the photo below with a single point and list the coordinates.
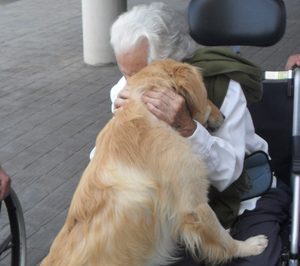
(97, 18)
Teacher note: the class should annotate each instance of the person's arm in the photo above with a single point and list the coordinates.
(4, 184)
(224, 150)
(117, 96)
(117, 99)
(293, 60)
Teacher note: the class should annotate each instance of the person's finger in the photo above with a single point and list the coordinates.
(162, 99)
(161, 93)
(123, 94)
(121, 99)
(288, 66)
(158, 102)
(157, 112)
(119, 102)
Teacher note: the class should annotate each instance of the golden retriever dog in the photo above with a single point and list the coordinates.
(145, 190)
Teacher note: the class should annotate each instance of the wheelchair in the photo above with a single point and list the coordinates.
(12, 232)
(277, 116)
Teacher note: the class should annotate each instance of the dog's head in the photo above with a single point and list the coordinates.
(183, 78)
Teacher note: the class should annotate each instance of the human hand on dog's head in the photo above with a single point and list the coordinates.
(170, 107)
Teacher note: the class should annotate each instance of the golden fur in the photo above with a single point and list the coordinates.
(145, 190)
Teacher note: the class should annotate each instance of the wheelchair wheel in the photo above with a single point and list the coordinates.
(12, 232)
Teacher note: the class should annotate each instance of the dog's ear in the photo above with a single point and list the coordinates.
(190, 85)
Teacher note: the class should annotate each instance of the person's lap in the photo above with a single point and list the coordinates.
(271, 211)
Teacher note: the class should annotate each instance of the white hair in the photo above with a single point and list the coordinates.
(165, 29)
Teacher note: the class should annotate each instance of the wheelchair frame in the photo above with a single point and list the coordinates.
(292, 77)
(294, 255)
(205, 22)
(15, 239)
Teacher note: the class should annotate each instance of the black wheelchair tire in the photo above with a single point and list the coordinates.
(17, 239)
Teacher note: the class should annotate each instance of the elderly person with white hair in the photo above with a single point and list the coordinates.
(150, 32)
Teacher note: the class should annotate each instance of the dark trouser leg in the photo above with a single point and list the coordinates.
(270, 213)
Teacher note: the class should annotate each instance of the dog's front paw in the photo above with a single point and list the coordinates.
(256, 244)
(214, 122)
(214, 116)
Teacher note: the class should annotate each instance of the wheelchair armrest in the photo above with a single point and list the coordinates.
(232, 22)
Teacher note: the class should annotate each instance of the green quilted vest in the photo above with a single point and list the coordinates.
(218, 67)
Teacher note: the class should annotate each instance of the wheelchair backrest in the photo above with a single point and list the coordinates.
(237, 22)
(273, 120)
